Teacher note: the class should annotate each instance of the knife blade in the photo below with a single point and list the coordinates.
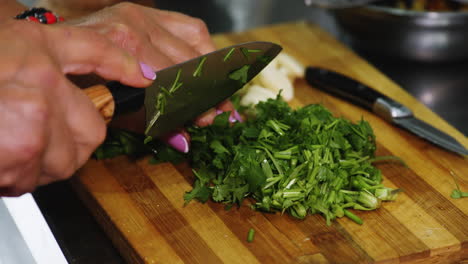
(385, 107)
(183, 91)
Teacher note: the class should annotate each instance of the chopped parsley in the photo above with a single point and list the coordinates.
(198, 70)
(251, 235)
(161, 101)
(457, 193)
(247, 52)
(228, 55)
(240, 74)
(300, 162)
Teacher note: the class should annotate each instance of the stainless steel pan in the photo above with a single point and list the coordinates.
(415, 35)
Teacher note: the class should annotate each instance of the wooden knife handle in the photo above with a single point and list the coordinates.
(102, 98)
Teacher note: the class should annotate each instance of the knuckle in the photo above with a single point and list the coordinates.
(99, 136)
(46, 74)
(36, 109)
(123, 36)
(62, 170)
(127, 8)
(67, 171)
(94, 139)
(200, 27)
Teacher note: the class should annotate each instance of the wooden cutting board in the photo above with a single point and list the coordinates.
(141, 207)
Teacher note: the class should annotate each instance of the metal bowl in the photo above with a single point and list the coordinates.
(414, 35)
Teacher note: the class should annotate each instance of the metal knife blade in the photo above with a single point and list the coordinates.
(432, 134)
(213, 85)
(387, 108)
(184, 91)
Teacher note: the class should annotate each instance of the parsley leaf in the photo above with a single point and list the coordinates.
(240, 74)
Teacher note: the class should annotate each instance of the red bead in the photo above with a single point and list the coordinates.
(61, 19)
(51, 19)
(32, 18)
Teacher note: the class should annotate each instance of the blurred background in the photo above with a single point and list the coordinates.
(437, 81)
(435, 77)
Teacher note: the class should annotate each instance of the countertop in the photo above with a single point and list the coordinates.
(440, 86)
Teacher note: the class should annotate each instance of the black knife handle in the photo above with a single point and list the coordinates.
(342, 86)
(357, 93)
(127, 99)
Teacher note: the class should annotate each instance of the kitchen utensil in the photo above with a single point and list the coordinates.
(387, 108)
(423, 36)
(334, 4)
(185, 90)
(338, 3)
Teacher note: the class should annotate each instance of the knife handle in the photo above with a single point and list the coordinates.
(342, 86)
(115, 99)
(356, 92)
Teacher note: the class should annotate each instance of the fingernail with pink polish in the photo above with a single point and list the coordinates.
(178, 142)
(237, 116)
(147, 71)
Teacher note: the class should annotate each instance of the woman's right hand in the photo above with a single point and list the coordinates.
(48, 126)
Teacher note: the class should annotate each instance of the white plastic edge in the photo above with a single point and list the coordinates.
(34, 229)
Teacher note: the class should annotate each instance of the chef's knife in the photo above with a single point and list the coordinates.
(387, 108)
(183, 91)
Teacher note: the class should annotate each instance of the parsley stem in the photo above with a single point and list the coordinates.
(198, 70)
(151, 124)
(228, 55)
(176, 84)
(353, 217)
(251, 235)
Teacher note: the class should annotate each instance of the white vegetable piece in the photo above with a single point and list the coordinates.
(294, 68)
(256, 94)
(278, 75)
(275, 81)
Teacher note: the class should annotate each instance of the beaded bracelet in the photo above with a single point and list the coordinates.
(40, 15)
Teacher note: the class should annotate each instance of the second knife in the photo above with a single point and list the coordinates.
(387, 108)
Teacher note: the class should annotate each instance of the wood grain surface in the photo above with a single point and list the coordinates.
(102, 99)
(141, 206)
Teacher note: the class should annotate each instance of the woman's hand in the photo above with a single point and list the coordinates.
(48, 126)
(159, 39)
(155, 37)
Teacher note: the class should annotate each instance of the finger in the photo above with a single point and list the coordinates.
(179, 140)
(80, 51)
(75, 133)
(227, 106)
(173, 47)
(153, 56)
(192, 30)
(24, 182)
(137, 43)
(22, 137)
(86, 125)
(60, 155)
(206, 118)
